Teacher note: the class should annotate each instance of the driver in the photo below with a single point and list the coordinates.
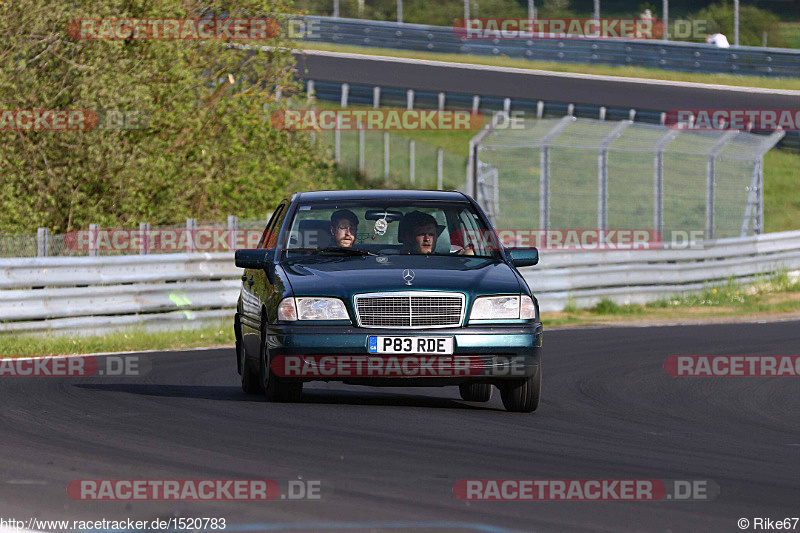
(344, 225)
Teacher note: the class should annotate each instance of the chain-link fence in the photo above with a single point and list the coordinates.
(572, 173)
(385, 159)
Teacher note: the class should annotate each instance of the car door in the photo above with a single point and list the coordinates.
(254, 280)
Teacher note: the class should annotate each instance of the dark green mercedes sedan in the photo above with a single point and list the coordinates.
(387, 288)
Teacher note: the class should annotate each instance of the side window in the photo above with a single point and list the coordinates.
(270, 236)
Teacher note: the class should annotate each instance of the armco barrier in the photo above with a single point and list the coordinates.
(669, 55)
(96, 294)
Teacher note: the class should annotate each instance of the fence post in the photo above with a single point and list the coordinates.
(602, 173)
(411, 162)
(544, 170)
(711, 186)
(440, 169)
(758, 228)
(539, 109)
(410, 99)
(658, 181)
(310, 92)
(386, 157)
(476, 102)
(361, 148)
(441, 101)
(337, 140)
(144, 233)
(191, 228)
(376, 97)
(41, 242)
(345, 94)
(507, 105)
(94, 248)
(602, 114)
(233, 231)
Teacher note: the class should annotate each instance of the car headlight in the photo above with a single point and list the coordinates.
(312, 308)
(503, 307)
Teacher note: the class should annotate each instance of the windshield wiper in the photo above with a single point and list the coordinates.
(333, 250)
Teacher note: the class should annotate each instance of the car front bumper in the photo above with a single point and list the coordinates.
(486, 353)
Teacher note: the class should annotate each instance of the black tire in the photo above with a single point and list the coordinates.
(476, 392)
(274, 389)
(522, 396)
(251, 383)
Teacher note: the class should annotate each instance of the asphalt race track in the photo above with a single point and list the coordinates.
(392, 456)
(535, 84)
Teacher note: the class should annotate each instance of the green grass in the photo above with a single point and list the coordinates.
(603, 70)
(781, 193)
(790, 31)
(773, 294)
(134, 339)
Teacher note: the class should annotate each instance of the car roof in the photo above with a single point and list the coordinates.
(380, 194)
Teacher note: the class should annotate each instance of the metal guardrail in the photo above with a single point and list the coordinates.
(92, 294)
(96, 294)
(669, 55)
(583, 278)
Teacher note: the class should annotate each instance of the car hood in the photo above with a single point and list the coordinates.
(344, 277)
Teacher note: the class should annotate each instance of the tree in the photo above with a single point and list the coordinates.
(203, 146)
(753, 22)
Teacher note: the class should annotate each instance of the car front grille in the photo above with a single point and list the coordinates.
(410, 309)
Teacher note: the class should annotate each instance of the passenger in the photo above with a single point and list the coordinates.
(419, 232)
(344, 227)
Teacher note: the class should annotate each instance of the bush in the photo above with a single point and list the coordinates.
(753, 22)
(208, 149)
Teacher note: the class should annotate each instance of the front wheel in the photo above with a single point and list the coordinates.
(251, 384)
(475, 392)
(274, 389)
(522, 396)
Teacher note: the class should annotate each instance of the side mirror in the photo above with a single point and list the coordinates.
(259, 259)
(523, 257)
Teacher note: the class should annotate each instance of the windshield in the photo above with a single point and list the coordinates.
(388, 227)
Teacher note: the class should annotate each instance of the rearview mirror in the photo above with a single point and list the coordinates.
(523, 257)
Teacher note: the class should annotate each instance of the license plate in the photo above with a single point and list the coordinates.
(416, 345)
